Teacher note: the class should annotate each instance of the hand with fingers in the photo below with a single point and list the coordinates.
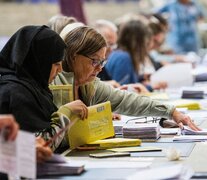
(138, 88)
(160, 85)
(8, 122)
(43, 152)
(182, 119)
(116, 117)
(79, 108)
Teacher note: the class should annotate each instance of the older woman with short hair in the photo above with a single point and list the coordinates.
(84, 59)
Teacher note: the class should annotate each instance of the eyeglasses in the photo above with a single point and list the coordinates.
(96, 63)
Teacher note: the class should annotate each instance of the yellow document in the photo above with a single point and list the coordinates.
(158, 95)
(182, 103)
(97, 126)
(114, 142)
(62, 94)
(135, 149)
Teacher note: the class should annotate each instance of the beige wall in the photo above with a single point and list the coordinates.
(13, 16)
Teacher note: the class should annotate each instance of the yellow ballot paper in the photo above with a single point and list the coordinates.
(182, 103)
(158, 95)
(97, 126)
(136, 149)
(114, 142)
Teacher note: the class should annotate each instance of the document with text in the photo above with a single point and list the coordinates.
(18, 158)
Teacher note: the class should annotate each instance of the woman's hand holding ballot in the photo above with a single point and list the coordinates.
(79, 108)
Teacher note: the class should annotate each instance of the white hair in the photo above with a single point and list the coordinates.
(102, 23)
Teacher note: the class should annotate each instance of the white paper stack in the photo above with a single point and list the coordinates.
(118, 126)
(58, 165)
(187, 131)
(143, 131)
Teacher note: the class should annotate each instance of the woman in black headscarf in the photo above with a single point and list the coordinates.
(29, 61)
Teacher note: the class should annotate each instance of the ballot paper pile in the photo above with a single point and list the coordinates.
(143, 131)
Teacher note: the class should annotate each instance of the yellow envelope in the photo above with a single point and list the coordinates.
(97, 126)
(114, 142)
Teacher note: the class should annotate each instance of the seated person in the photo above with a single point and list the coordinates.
(28, 63)
(84, 59)
(126, 62)
(109, 31)
(58, 22)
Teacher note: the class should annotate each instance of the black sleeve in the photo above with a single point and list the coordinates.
(19, 101)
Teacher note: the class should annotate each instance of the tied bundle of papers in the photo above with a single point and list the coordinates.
(192, 94)
(187, 131)
(58, 165)
(143, 131)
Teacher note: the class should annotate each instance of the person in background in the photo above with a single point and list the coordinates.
(8, 121)
(126, 63)
(58, 22)
(73, 8)
(28, 63)
(159, 28)
(183, 16)
(109, 31)
(84, 59)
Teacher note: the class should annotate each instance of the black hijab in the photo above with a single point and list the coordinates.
(25, 65)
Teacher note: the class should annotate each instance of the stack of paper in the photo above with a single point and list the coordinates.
(187, 131)
(192, 94)
(143, 131)
(58, 166)
(118, 126)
